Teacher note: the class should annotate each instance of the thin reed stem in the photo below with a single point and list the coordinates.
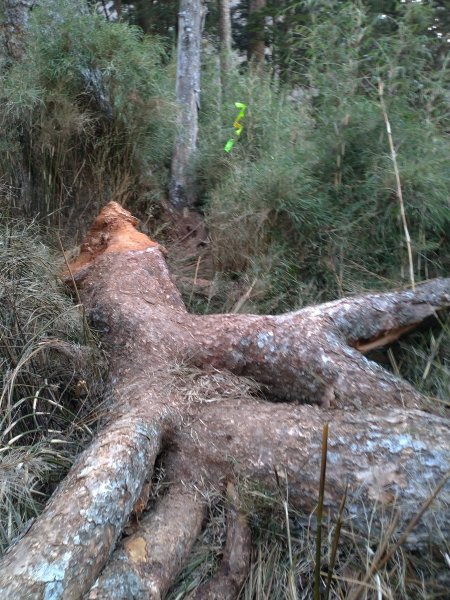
(398, 182)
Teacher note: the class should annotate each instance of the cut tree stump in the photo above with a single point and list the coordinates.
(182, 390)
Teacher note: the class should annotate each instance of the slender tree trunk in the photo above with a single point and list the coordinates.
(178, 394)
(142, 15)
(190, 24)
(225, 43)
(118, 8)
(256, 25)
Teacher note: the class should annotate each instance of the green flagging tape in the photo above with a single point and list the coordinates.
(237, 125)
(229, 145)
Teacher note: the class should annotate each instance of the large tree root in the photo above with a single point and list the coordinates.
(390, 453)
(146, 563)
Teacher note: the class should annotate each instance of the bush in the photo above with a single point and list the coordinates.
(93, 117)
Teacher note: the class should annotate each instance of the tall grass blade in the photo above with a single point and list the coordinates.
(323, 468)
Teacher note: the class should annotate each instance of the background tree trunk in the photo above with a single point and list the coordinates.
(118, 8)
(143, 15)
(256, 26)
(225, 43)
(190, 25)
(14, 16)
(388, 454)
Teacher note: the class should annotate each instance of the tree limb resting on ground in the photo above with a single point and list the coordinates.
(387, 450)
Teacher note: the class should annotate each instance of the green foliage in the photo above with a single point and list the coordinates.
(261, 200)
(51, 378)
(307, 201)
(93, 115)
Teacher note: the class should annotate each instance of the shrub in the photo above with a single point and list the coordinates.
(307, 200)
(93, 116)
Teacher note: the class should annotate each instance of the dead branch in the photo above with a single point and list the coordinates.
(230, 577)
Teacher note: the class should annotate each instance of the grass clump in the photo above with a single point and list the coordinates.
(424, 360)
(51, 378)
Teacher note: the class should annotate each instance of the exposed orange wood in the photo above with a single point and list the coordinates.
(383, 340)
(114, 230)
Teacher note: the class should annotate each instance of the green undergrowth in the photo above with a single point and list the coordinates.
(52, 373)
(306, 204)
(91, 121)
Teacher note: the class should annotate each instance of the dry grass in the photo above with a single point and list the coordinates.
(283, 557)
(51, 378)
(424, 359)
(199, 387)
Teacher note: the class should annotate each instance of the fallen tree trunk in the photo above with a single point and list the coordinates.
(178, 391)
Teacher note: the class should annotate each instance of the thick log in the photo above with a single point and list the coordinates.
(392, 460)
(309, 354)
(302, 357)
(393, 457)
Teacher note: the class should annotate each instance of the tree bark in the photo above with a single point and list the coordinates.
(179, 392)
(190, 25)
(225, 44)
(67, 547)
(256, 42)
(13, 27)
(146, 563)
